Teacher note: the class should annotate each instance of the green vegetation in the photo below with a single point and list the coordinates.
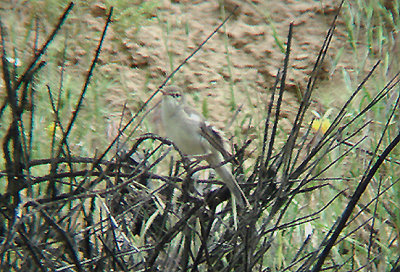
(139, 211)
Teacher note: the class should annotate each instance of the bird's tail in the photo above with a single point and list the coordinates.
(226, 175)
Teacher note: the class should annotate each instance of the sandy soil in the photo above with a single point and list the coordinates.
(236, 68)
(249, 42)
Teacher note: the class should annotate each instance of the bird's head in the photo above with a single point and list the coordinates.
(172, 95)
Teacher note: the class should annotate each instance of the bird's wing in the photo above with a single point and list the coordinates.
(208, 132)
(214, 138)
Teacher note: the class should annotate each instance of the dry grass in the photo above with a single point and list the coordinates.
(322, 199)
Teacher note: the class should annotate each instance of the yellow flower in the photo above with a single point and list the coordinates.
(50, 129)
(321, 125)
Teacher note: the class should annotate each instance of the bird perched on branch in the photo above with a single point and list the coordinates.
(195, 137)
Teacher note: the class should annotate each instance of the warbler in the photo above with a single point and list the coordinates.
(195, 137)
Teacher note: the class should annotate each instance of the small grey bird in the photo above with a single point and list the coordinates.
(194, 137)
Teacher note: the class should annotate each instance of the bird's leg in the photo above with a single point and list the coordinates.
(199, 157)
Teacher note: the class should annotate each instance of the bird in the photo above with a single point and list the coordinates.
(195, 137)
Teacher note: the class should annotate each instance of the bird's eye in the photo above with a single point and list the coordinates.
(176, 95)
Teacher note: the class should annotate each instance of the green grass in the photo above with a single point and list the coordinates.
(369, 27)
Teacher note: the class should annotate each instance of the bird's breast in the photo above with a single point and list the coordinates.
(185, 136)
